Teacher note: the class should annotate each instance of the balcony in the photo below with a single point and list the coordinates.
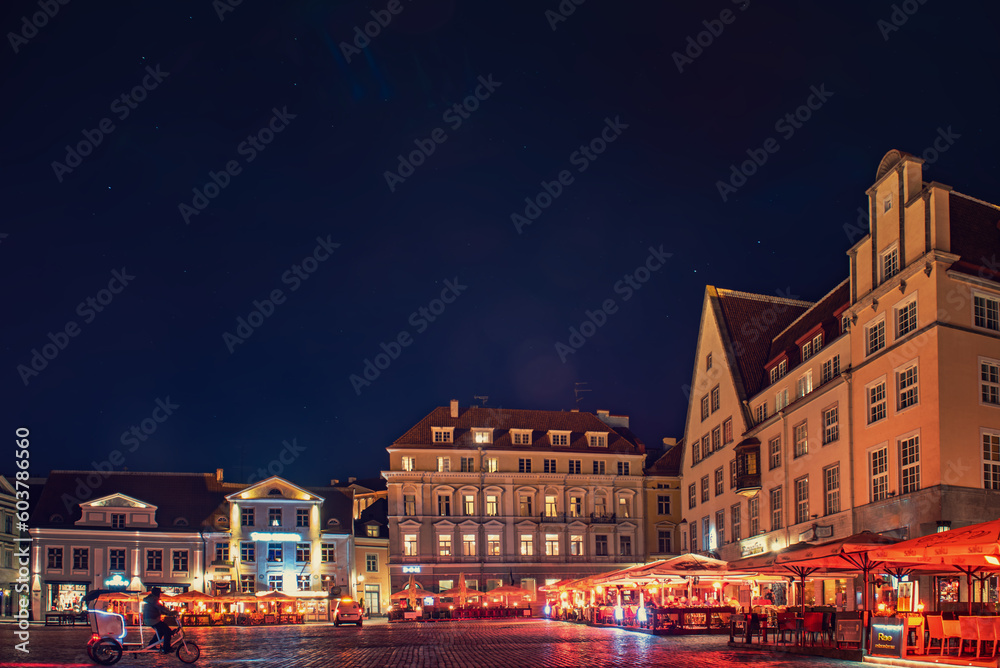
(603, 519)
(748, 467)
(748, 484)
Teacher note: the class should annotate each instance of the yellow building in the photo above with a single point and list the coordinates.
(514, 496)
(662, 489)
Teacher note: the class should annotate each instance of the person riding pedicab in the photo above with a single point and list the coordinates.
(152, 612)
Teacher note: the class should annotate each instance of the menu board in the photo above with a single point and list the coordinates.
(888, 636)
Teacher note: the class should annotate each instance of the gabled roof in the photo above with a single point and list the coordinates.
(502, 420)
(377, 513)
(821, 313)
(193, 497)
(338, 504)
(749, 323)
(669, 464)
(268, 482)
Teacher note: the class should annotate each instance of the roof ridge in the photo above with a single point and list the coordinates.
(976, 200)
(105, 473)
(771, 299)
(806, 312)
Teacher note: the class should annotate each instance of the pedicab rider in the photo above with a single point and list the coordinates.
(151, 616)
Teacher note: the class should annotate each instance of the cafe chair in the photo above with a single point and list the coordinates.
(987, 633)
(787, 624)
(941, 630)
(813, 625)
(968, 632)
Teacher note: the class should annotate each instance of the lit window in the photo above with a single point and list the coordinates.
(274, 552)
(444, 464)
(491, 505)
(481, 436)
(525, 505)
(444, 545)
(550, 506)
(527, 545)
(409, 463)
(552, 545)
(780, 400)
(623, 507)
(274, 517)
(492, 464)
(804, 385)
(409, 504)
(468, 505)
(493, 545)
(468, 545)
(371, 531)
(576, 545)
(575, 506)
(410, 545)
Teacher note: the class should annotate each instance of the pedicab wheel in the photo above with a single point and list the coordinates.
(188, 652)
(106, 652)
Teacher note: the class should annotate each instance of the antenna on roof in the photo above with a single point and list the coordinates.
(579, 390)
(484, 398)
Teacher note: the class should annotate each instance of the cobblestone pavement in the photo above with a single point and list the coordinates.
(506, 644)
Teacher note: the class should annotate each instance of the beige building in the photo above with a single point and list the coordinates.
(876, 408)
(514, 496)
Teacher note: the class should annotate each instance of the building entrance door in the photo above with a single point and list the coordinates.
(373, 602)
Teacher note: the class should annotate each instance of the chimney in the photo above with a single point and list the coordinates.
(603, 414)
(454, 408)
(351, 479)
(333, 482)
(218, 475)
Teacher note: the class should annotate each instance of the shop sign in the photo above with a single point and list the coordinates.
(849, 631)
(752, 546)
(116, 581)
(887, 636)
(411, 569)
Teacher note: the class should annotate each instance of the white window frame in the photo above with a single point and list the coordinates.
(492, 465)
(520, 436)
(801, 485)
(909, 447)
(987, 297)
(988, 386)
(442, 434)
(444, 545)
(871, 402)
(800, 436)
(882, 474)
(804, 385)
(780, 400)
(875, 324)
(831, 427)
(409, 463)
(493, 545)
(526, 545)
(444, 464)
(990, 438)
(774, 453)
(910, 374)
(897, 312)
(559, 437)
(597, 439)
(481, 435)
(833, 365)
(829, 492)
(890, 252)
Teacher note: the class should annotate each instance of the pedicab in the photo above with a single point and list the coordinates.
(112, 636)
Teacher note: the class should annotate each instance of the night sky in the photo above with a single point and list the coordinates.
(308, 125)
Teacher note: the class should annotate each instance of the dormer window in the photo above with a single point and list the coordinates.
(482, 435)
(371, 531)
(782, 368)
(811, 347)
(443, 434)
(520, 436)
(597, 439)
(778, 371)
(559, 437)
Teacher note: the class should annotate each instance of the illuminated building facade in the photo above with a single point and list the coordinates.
(514, 496)
(662, 496)
(371, 550)
(876, 408)
(8, 548)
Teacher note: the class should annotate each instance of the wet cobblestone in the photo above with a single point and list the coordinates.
(471, 644)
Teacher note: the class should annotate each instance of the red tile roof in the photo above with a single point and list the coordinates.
(502, 420)
(821, 313)
(669, 464)
(974, 236)
(750, 323)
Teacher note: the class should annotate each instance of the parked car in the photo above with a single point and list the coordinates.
(347, 611)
